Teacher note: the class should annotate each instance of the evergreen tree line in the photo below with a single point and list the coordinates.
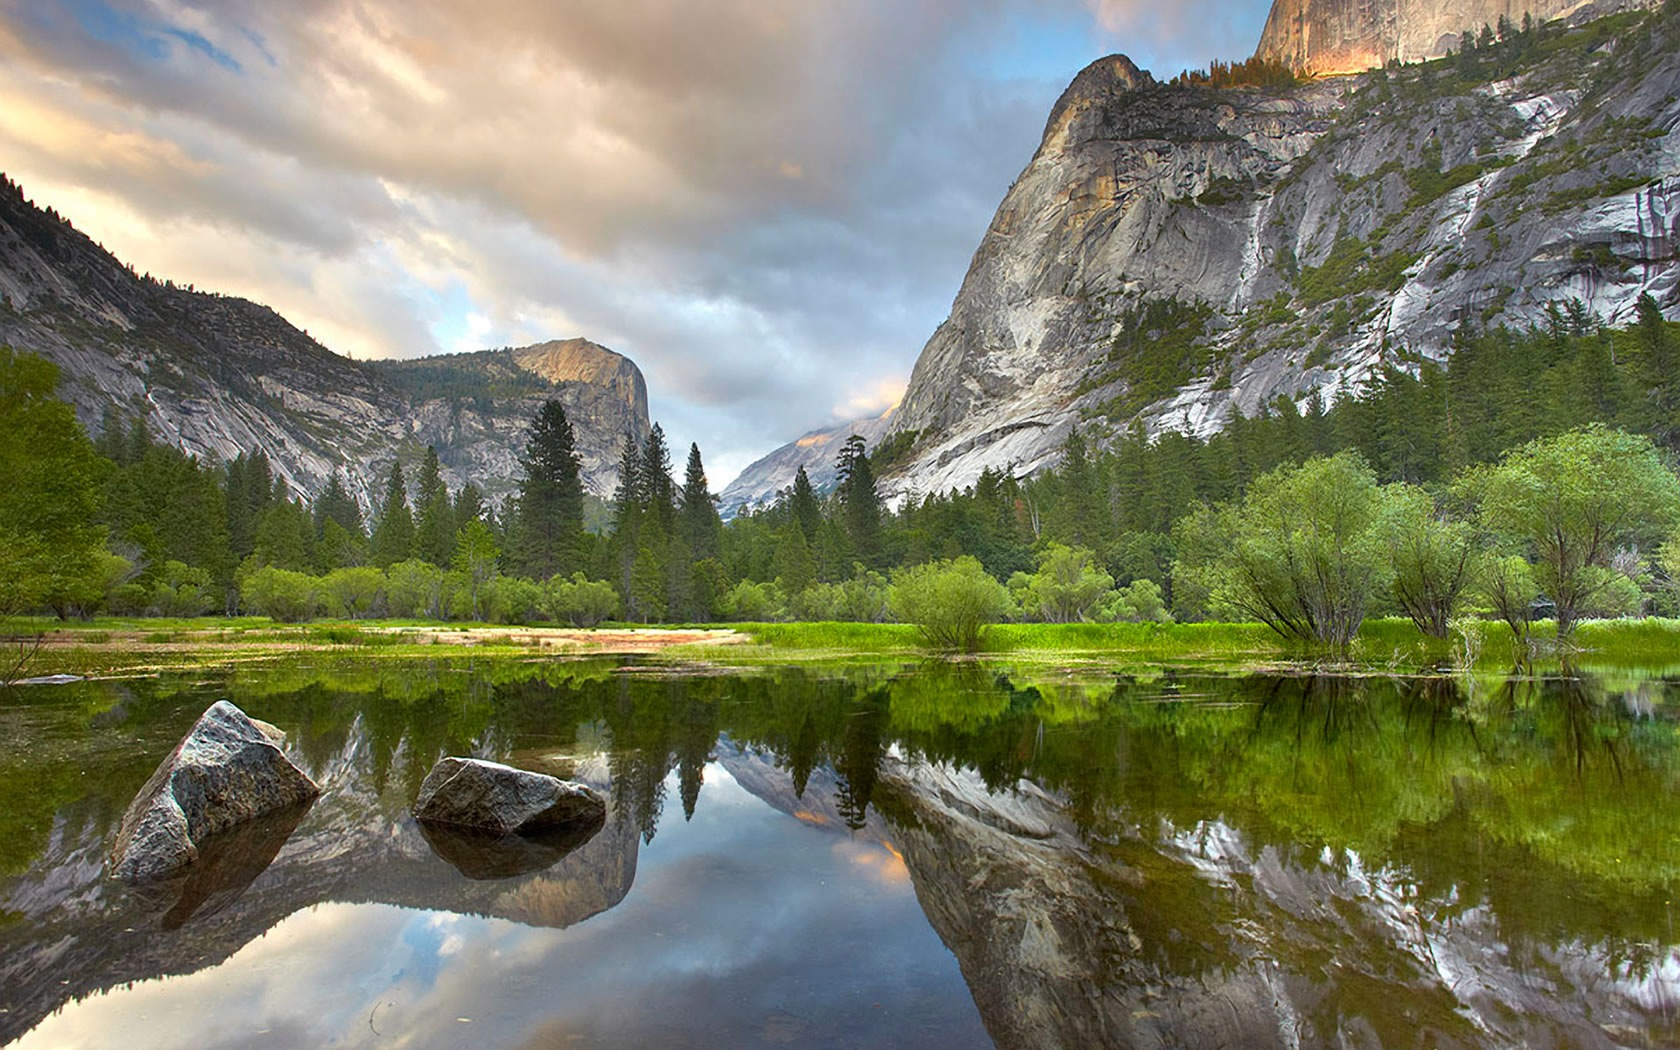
(1109, 534)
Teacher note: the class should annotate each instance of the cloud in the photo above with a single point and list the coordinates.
(768, 205)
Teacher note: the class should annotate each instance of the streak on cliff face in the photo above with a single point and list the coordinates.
(1328, 37)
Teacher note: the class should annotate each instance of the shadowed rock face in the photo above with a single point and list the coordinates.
(1350, 36)
(228, 770)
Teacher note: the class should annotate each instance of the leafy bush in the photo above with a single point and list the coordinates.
(862, 599)
(182, 591)
(513, 599)
(281, 594)
(579, 601)
(1302, 553)
(749, 602)
(949, 601)
(352, 592)
(416, 588)
(1067, 588)
(1141, 601)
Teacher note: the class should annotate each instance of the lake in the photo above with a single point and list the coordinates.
(939, 855)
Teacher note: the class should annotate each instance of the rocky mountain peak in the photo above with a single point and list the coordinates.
(1329, 37)
(217, 376)
(1092, 88)
(581, 361)
(1177, 253)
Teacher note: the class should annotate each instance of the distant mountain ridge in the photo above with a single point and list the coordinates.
(218, 375)
(818, 452)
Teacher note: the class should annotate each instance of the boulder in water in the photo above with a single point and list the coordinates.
(229, 769)
(472, 793)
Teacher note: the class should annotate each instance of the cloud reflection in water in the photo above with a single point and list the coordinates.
(744, 928)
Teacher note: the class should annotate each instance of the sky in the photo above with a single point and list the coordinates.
(767, 204)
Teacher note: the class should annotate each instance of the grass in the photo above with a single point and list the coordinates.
(125, 647)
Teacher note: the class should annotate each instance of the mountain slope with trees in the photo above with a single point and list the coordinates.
(1177, 253)
(219, 376)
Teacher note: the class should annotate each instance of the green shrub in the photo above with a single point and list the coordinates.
(1139, 602)
(749, 602)
(281, 594)
(862, 599)
(416, 589)
(948, 601)
(579, 601)
(353, 592)
(513, 599)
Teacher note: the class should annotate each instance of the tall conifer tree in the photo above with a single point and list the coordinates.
(699, 525)
(659, 491)
(434, 518)
(860, 503)
(803, 505)
(393, 537)
(546, 528)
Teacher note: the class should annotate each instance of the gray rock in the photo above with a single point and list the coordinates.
(469, 792)
(229, 769)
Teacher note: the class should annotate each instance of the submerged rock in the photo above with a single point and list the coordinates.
(469, 792)
(229, 769)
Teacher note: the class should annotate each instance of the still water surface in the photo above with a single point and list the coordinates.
(870, 857)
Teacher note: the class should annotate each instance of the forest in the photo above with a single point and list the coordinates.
(1529, 475)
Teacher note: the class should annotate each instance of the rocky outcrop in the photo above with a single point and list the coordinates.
(817, 452)
(1175, 253)
(227, 771)
(1326, 37)
(488, 796)
(217, 376)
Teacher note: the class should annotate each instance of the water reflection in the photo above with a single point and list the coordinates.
(1112, 859)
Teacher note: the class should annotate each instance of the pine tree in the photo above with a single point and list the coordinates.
(860, 503)
(335, 504)
(658, 488)
(793, 566)
(698, 522)
(393, 537)
(469, 505)
(434, 519)
(803, 505)
(649, 573)
(546, 526)
(629, 503)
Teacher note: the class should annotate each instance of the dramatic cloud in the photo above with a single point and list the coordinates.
(767, 203)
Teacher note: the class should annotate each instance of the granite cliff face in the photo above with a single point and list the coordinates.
(1176, 252)
(218, 375)
(1350, 36)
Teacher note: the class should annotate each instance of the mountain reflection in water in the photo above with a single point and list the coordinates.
(1174, 859)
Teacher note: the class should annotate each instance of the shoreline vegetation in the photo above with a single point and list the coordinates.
(126, 648)
(1298, 536)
